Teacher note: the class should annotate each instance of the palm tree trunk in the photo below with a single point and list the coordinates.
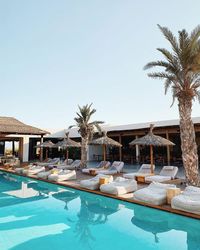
(188, 142)
(84, 147)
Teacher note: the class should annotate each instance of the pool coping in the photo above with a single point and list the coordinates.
(163, 207)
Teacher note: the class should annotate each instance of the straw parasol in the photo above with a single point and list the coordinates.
(46, 144)
(105, 141)
(67, 143)
(151, 140)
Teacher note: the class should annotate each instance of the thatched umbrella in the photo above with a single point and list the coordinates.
(46, 144)
(67, 143)
(151, 140)
(105, 141)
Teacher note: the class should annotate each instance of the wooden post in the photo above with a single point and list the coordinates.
(67, 154)
(120, 148)
(151, 157)
(46, 153)
(13, 148)
(41, 149)
(21, 141)
(104, 152)
(168, 149)
(137, 151)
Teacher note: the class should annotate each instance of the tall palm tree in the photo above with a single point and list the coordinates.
(86, 128)
(182, 73)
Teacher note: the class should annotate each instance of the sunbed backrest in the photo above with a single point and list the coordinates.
(76, 163)
(170, 171)
(145, 168)
(68, 162)
(104, 164)
(118, 165)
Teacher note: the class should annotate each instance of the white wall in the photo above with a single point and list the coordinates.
(25, 148)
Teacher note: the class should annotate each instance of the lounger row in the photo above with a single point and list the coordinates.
(105, 167)
(167, 173)
(154, 194)
(67, 164)
(54, 174)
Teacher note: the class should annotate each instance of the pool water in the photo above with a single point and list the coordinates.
(43, 216)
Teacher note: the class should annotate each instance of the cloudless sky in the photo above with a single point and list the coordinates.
(55, 55)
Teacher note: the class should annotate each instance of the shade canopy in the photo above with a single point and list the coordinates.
(67, 143)
(151, 140)
(46, 144)
(105, 141)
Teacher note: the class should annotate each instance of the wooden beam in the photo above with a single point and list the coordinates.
(168, 149)
(120, 149)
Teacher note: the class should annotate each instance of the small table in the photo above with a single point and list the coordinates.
(141, 177)
(92, 172)
(171, 192)
(103, 180)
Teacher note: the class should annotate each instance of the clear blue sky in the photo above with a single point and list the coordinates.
(55, 55)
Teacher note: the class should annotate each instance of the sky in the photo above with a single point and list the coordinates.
(56, 55)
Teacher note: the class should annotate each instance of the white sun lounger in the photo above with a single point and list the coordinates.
(167, 173)
(115, 168)
(93, 183)
(144, 169)
(102, 165)
(188, 201)
(75, 165)
(45, 174)
(54, 161)
(155, 193)
(33, 170)
(63, 175)
(119, 186)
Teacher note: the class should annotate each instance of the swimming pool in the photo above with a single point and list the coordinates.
(43, 216)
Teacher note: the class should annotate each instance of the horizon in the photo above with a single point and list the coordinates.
(58, 55)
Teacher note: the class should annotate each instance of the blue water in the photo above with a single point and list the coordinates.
(42, 216)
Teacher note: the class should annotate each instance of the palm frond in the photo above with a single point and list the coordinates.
(156, 64)
(160, 75)
(170, 37)
(168, 82)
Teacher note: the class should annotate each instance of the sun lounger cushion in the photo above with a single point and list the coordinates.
(167, 173)
(36, 170)
(114, 169)
(119, 186)
(45, 174)
(102, 165)
(75, 165)
(155, 193)
(93, 183)
(144, 169)
(33, 169)
(53, 162)
(188, 201)
(63, 175)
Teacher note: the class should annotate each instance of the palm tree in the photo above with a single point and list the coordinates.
(86, 128)
(182, 73)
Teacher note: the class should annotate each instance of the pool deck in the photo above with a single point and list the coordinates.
(127, 197)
